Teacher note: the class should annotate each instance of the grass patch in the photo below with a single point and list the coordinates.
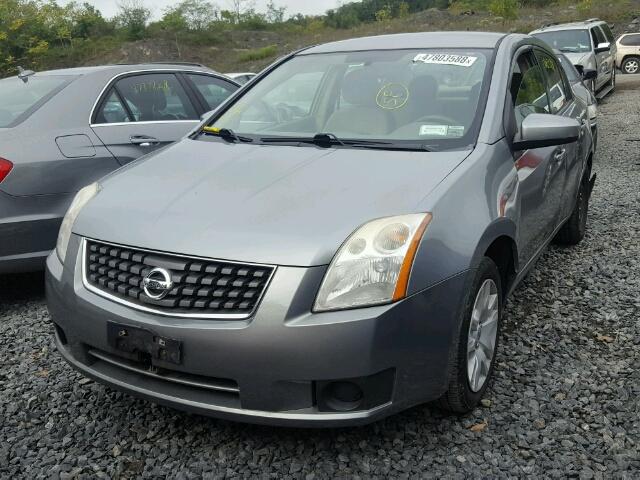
(259, 54)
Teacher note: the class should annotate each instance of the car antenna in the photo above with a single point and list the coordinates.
(24, 74)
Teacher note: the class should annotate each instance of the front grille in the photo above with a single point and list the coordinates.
(201, 287)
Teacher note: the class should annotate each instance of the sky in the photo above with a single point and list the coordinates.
(308, 7)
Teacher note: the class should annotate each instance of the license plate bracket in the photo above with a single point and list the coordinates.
(144, 342)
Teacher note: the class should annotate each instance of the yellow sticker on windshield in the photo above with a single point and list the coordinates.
(392, 96)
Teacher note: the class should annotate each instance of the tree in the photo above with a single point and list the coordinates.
(133, 18)
(240, 7)
(191, 15)
(275, 14)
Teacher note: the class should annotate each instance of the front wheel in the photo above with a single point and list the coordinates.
(474, 355)
(631, 65)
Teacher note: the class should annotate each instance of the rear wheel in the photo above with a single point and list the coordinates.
(473, 363)
(631, 65)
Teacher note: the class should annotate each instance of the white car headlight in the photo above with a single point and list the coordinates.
(372, 267)
(593, 111)
(80, 200)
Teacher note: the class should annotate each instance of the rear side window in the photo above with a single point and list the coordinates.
(528, 90)
(20, 99)
(214, 90)
(113, 110)
(147, 98)
(631, 40)
(559, 95)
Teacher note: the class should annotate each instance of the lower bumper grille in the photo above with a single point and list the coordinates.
(187, 379)
(194, 286)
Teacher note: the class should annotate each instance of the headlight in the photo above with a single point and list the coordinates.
(593, 111)
(373, 266)
(80, 200)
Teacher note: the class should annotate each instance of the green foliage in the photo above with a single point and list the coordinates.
(259, 54)
(133, 18)
(507, 9)
(584, 7)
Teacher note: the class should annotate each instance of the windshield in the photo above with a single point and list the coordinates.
(19, 99)
(567, 41)
(426, 96)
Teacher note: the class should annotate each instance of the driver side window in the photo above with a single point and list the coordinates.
(528, 89)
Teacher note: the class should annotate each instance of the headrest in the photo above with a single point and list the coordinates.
(360, 87)
(423, 87)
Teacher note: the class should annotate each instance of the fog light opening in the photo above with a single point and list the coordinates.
(343, 396)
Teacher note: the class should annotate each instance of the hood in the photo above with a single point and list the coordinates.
(281, 205)
(579, 58)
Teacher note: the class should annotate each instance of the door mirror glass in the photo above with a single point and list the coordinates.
(603, 47)
(589, 74)
(541, 130)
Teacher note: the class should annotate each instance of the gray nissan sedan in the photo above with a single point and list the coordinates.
(337, 241)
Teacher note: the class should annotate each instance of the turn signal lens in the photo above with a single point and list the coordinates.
(5, 167)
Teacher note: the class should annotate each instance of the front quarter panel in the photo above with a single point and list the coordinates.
(472, 207)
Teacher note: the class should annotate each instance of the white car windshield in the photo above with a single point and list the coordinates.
(425, 95)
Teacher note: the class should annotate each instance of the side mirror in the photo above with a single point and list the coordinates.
(603, 47)
(589, 74)
(541, 130)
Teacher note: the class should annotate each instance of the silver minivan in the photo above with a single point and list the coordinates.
(588, 45)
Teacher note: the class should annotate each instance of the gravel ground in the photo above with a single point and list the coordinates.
(565, 402)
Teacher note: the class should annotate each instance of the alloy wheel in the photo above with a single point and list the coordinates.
(632, 66)
(482, 336)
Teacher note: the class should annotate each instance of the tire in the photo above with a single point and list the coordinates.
(575, 229)
(631, 65)
(464, 394)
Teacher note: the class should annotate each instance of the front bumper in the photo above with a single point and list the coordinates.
(272, 368)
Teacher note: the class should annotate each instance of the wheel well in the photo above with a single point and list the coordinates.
(503, 252)
(627, 57)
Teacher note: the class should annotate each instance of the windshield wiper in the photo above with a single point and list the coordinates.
(321, 139)
(328, 139)
(226, 134)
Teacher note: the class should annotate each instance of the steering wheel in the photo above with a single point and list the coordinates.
(438, 118)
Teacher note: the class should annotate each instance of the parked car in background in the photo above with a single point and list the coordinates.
(61, 130)
(590, 44)
(577, 79)
(338, 258)
(241, 78)
(628, 57)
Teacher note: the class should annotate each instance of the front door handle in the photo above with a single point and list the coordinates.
(560, 155)
(144, 140)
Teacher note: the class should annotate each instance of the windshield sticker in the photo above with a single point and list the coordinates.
(442, 130)
(445, 59)
(392, 96)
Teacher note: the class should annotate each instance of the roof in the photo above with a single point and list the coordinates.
(120, 68)
(554, 27)
(411, 40)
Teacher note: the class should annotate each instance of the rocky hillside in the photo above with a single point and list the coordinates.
(252, 50)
